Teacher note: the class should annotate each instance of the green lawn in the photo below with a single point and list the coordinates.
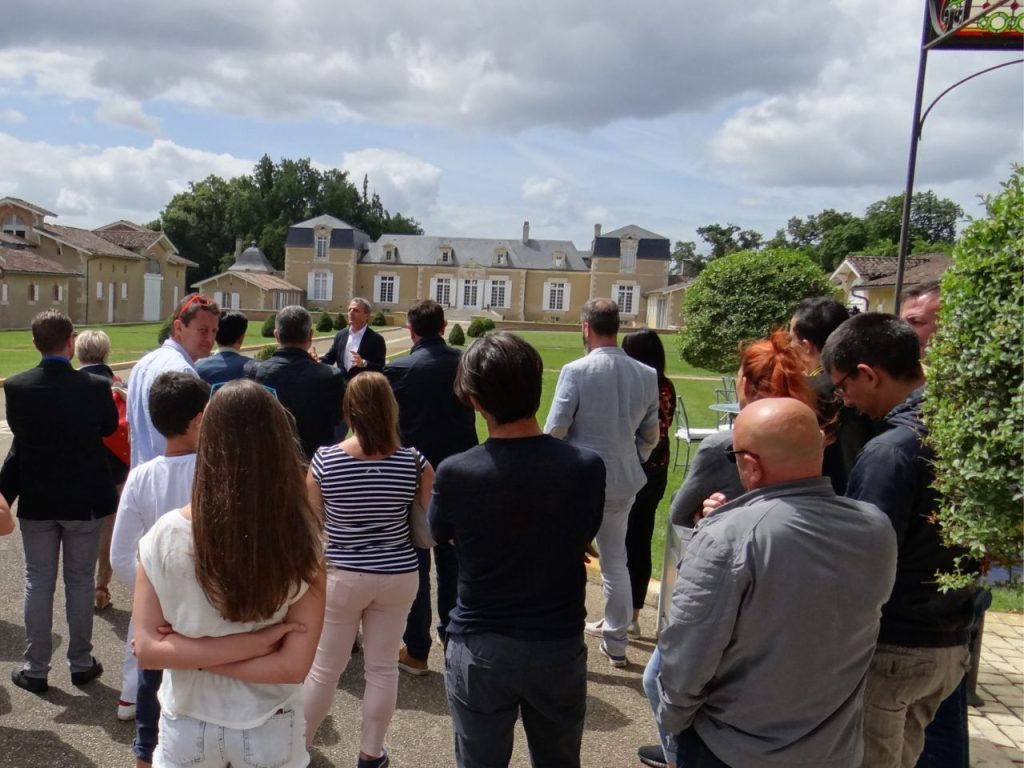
(1008, 597)
(559, 347)
(127, 342)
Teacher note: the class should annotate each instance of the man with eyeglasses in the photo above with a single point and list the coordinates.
(922, 654)
(776, 607)
(193, 331)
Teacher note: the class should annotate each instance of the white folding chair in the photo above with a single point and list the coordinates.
(687, 434)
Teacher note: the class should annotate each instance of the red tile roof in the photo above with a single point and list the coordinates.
(87, 241)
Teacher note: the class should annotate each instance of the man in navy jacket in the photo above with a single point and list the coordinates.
(59, 416)
(433, 420)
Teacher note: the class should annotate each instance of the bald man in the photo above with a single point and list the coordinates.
(920, 308)
(776, 609)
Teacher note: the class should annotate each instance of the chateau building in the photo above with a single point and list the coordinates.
(327, 262)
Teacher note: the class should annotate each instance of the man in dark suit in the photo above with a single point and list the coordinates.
(432, 419)
(357, 348)
(228, 364)
(310, 391)
(59, 416)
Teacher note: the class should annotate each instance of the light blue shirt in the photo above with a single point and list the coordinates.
(147, 443)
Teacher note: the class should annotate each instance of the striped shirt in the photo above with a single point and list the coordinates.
(366, 509)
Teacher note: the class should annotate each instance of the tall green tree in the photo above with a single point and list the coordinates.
(205, 220)
(741, 297)
(722, 239)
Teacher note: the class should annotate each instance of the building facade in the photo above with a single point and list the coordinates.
(120, 273)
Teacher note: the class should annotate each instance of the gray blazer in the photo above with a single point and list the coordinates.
(608, 402)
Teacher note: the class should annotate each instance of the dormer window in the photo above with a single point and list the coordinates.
(501, 256)
(389, 252)
(627, 252)
(322, 243)
(13, 225)
(447, 255)
(559, 259)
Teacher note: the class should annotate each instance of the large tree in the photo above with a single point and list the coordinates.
(741, 297)
(204, 220)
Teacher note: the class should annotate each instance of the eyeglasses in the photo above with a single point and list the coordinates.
(218, 385)
(195, 298)
(732, 453)
(838, 389)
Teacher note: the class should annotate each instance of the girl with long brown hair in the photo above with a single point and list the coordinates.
(363, 488)
(238, 576)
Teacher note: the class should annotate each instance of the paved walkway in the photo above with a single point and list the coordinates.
(997, 727)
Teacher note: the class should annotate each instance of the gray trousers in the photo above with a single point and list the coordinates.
(492, 680)
(44, 542)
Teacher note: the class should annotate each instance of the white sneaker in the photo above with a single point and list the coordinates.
(617, 661)
(125, 710)
(633, 630)
(594, 628)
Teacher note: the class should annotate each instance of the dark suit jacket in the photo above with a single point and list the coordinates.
(226, 365)
(372, 348)
(310, 391)
(59, 464)
(430, 417)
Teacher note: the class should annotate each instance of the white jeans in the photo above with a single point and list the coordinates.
(278, 743)
(618, 595)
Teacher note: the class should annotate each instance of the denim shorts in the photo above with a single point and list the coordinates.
(280, 742)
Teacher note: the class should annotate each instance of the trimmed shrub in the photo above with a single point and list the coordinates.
(325, 324)
(742, 297)
(340, 321)
(487, 324)
(378, 318)
(476, 328)
(267, 331)
(264, 352)
(456, 336)
(975, 402)
(165, 331)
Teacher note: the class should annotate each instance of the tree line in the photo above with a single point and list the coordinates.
(830, 236)
(204, 220)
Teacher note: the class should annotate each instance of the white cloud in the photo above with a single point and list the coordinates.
(127, 113)
(12, 116)
(90, 186)
(405, 183)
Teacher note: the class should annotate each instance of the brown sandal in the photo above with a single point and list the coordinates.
(102, 599)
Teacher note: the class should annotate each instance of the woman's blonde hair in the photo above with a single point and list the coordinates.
(256, 538)
(92, 347)
(371, 411)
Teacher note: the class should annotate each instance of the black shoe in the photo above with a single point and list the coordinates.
(652, 756)
(81, 678)
(30, 684)
(378, 762)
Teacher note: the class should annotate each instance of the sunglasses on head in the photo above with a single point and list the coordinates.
(195, 298)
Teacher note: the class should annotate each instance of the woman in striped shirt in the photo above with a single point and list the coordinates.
(363, 487)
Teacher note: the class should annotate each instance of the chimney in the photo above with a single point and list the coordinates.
(526, 231)
(597, 231)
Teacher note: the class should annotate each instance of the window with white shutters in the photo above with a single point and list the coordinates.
(443, 291)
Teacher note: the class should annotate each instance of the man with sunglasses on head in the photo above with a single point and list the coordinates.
(776, 608)
(193, 331)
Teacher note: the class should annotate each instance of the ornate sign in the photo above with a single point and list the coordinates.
(1001, 29)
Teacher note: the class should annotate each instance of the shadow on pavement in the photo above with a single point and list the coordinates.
(20, 748)
(117, 618)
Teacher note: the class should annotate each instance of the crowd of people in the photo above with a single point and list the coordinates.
(266, 526)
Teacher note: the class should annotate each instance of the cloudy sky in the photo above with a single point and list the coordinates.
(473, 116)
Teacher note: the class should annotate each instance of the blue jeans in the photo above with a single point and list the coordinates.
(147, 714)
(651, 672)
(417, 626)
(694, 753)
(491, 679)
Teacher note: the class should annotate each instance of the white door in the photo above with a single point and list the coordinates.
(110, 302)
(662, 302)
(153, 287)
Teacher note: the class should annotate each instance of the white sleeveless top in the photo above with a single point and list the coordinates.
(165, 554)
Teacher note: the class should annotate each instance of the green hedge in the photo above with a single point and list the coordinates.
(456, 336)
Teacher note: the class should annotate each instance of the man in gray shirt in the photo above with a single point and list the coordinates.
(776, 609)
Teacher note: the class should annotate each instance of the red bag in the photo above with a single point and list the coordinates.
(118, 442)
